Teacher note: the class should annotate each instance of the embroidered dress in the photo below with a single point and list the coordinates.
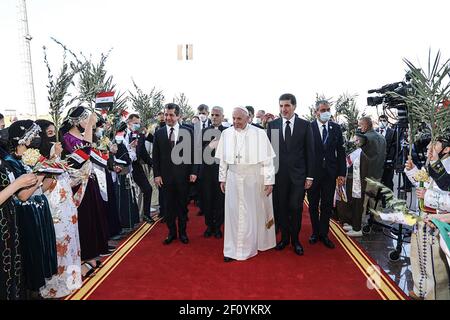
(11, 279)
(36, 232)
(92, 217)
(65, 219)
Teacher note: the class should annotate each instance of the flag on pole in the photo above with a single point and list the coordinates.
(185, 52)
(104, 100)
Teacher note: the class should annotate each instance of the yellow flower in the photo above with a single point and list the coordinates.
(421, 176)
(31, 157)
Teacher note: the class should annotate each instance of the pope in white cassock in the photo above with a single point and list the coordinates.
(247, 175)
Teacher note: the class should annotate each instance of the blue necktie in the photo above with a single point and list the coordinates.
(324, 134)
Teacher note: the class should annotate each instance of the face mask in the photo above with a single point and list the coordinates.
(99, 132)
(258, 120)
(383, 124)
(80, 128)
(51, 139)
(135, 126)
(35, 143)
(202, 117)
(119, 139)
(325, 116)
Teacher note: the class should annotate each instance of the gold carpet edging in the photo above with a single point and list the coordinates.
(386, 290)
(106, 261)
(111, 263)
(388, 281)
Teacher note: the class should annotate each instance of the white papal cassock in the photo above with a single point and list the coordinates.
(246, 165)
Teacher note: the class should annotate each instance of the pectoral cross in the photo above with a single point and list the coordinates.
(238, 157)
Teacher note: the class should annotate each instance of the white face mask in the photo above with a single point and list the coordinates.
(383, 124)
(99, 132)
(258, 120)
(119, 139)
(325, 116)
(202, 117)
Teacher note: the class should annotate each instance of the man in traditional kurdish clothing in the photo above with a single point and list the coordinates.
(428, 262)
(247, 175)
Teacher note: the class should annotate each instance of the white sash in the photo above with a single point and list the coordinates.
(101, 180)
(355, 158)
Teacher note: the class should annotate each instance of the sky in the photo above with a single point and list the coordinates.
(246, 52)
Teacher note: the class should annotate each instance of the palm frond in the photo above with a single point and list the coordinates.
(58, 89)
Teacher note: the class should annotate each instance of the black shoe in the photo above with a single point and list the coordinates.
(328, 243)
(184, 239)
(208, 233)
(169, 239)
(226, 259)
(218, 234)
(313, 239)
(281, 245)
(298, 249)
(148, 219)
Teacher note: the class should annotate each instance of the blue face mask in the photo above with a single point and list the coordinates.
(119, 139)
(136, 126)
(325, 116)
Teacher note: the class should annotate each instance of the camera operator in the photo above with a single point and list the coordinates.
(428, 264)
(391, 139)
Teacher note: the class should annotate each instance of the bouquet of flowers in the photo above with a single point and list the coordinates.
(40, 164)
(421, 177)
(397, 210)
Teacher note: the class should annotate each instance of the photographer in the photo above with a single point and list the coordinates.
(135, 143)
(429, 269)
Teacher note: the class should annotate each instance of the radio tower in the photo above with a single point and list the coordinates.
(24, 40)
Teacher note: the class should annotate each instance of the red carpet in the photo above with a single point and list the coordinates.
(196, 271)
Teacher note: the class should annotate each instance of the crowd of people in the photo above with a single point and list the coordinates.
(67, 193)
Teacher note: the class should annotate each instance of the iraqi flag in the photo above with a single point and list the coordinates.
(104, 100)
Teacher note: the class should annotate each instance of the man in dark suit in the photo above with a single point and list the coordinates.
(213, 199)
(251, 115)
(294, 146)
(139, 157)
(390, 135)
(330, 164)
(174, 168)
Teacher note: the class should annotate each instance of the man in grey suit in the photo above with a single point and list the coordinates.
(373, 154)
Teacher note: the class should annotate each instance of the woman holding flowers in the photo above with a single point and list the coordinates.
(428, 262)
(35, 223)
(65, 220)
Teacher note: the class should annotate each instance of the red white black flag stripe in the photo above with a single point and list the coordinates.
(104, 100)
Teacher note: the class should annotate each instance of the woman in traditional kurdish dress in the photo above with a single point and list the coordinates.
(35, 223)
(11, 279)
(65, 219)
(127, 204)
(109, 198)
(92, 217)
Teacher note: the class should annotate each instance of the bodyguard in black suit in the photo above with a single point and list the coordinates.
(292, 140)
(330, 164)
(173, 171)
(390, 135)
(213, 199)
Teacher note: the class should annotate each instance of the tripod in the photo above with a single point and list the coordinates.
(400, 233)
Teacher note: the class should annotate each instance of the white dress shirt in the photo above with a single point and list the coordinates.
(320, 124)
(291, 124)
(176, 130)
